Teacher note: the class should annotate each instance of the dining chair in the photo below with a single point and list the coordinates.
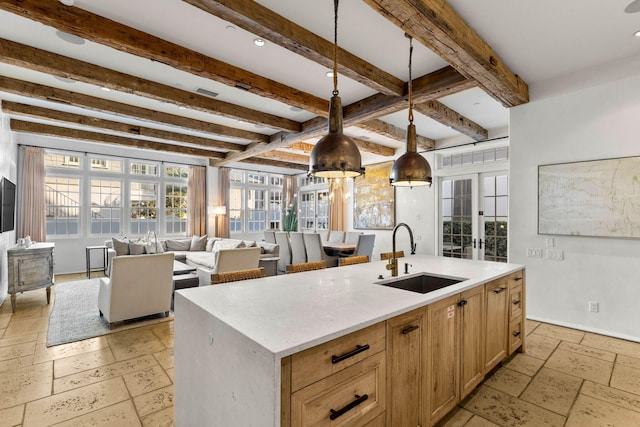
(298, 251)
(365, 245)
(336, 236)
(235, 276)
(282, 240)
(352, 236)
(306, 266)
(269, 236)
(315, 252)
(387, 255)
(352, 260)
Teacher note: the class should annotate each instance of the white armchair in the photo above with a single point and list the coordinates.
(140, 285)
(227, 260)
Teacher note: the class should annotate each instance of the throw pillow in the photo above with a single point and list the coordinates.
(242, 244)
(120, 246)
(250, 244)
(225, 244)
(178, 245)
(136, 249)
(210, 243)
(198, 243)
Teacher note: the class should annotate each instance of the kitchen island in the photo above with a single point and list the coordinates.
(248, 353)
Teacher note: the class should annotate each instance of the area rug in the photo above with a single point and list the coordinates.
(75, 315)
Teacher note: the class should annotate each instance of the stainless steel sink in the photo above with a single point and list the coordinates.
(421, 283)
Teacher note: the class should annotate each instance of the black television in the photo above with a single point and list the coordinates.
(8, 209)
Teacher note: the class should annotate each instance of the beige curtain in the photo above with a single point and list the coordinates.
(31, 217)
(336, 205)
(197, 201)
(223, 200)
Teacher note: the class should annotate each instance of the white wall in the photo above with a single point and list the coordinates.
(594, 115)
(8, 160)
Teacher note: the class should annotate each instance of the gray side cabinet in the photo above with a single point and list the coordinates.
(30, 268)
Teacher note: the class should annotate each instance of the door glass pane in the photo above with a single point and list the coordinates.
(495, 218)
(501, 185)
(456, 229)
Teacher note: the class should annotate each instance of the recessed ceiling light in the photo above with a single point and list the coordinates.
(207, 92)
(259, 126)
(475, 104)
(329, 73)
(68, 2)
(230, 28)
(633, 7)
(106, 89)
(637, 33)
(70, 38)
(365, 137)
(181, 107)
(259, 42)
(296, 109)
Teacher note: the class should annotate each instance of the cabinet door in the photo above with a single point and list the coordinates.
(496, 327)
(406, 369)
(443, 354)
(471, 340)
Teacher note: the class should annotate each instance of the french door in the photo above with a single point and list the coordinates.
(474, 216)
(314, 210)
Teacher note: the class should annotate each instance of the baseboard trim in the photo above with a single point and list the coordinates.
(586, 328)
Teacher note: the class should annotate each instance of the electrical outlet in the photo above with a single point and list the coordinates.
(555, 254)
(534, 252)
(594, 306)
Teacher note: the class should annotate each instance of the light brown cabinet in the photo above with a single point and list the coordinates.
(406, 369)
(30, 268)
(410, 370)
(472, 337)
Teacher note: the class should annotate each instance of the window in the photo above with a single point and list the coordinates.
(106, 207)
(143, 207)
(121, 196)
(62, 206)
(175, 208)
(255, 201)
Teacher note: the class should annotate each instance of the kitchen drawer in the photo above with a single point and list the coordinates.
(516, 330)
(515, 303)
(515, 279)
(354, 396)
(318, 362)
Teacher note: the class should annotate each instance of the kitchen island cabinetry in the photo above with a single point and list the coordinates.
(333, 347)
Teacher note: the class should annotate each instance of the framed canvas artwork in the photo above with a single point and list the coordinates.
(374, 199)
(599, 198)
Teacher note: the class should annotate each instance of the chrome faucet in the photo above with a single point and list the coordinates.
(393, 261)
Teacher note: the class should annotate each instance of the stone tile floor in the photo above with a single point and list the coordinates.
(566, 378)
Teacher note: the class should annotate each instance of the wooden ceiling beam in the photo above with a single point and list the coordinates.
(102, 138)
(47, 93)
(445, 81)
(285, 156)
(57, 65)
(269, 162)
(257, 19)
(436, 25)
(302, 146)
(89, 26)
(396, 133)
(448, 117)
(35, 112)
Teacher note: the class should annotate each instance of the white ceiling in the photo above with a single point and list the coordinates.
(538, 40)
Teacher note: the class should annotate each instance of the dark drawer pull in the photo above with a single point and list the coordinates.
(498, 290)
(517, 279)
(516, 334)
(516, 302)
(409, 329)
(359, 399)
(358, 349)
(462, 303)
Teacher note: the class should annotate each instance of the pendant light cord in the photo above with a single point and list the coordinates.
(410, 79)
(335, 47)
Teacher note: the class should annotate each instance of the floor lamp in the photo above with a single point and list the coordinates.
(217, 211)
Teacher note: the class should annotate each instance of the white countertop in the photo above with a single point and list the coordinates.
(289, 313)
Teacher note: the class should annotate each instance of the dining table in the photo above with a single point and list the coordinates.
(336, 248)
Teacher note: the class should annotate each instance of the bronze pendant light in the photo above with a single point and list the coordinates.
(335, 155)
(410, 169)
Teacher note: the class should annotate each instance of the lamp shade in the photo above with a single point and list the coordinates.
(219, 210)
(410, 169)
(335, 155)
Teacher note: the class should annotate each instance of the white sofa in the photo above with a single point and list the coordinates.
(185, 251)
(140, 285)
